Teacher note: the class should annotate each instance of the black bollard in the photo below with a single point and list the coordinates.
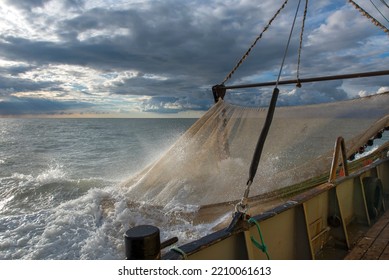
(142, 243)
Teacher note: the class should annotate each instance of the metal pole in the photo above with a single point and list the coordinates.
(315, 79)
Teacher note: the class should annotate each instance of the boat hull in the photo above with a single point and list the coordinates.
(323, 222)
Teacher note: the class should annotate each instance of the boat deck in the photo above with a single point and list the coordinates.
(374, 245)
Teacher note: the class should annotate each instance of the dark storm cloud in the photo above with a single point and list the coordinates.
(27, 5)
(16, 70)
(313, 93)
(31, 4)
(161, 39)
(179, 49)
(34, 106)
(12, 85)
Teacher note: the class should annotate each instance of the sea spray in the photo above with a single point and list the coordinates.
(61, 195)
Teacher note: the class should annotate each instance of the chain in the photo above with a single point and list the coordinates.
(372, 19)
(301, 43)
(254, 43)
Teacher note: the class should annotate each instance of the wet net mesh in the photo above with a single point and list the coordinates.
(209, 163)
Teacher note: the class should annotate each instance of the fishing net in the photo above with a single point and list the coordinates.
(209, 163)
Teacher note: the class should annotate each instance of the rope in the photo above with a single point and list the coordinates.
(287, 45)
(261, 246)
(383, 2)
(379, 11)
(366, 14)
(181, 252)
(301, 43)
(269, 117)
(254, 43)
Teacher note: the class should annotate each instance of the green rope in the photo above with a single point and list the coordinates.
(261, 246)
(181, 252)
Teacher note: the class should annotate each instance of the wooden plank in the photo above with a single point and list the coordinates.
(385, 232)
(360, 249)
(375, 250)
(375, 244)
(385, 253)
(376, 229)
(384, 237)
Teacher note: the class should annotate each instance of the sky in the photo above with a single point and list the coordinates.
(160, 58)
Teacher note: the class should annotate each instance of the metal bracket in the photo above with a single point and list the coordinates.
(339, 150)
(219, 91)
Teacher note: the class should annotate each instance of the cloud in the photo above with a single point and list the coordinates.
(290, 95)
(33, 106)
(167, 104)
(27, 5)
(342, 30)
(88, 51)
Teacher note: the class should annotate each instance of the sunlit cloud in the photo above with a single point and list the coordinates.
(121, 57)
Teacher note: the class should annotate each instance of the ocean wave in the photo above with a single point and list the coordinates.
(52, 174)
(4, 201)
(92, 226)
(26, 193)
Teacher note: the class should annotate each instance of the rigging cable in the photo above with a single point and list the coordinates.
(254, 43)
(378, 10)
(366, 14)
(386, 4)
(241, 207)
(301, 43)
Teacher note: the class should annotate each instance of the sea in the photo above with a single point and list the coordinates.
(59, 176)
(63, 186)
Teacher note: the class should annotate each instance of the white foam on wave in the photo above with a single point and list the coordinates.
(92, 227)
(16, 233)
(53, 174)
(58, 233)
(3, 202)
